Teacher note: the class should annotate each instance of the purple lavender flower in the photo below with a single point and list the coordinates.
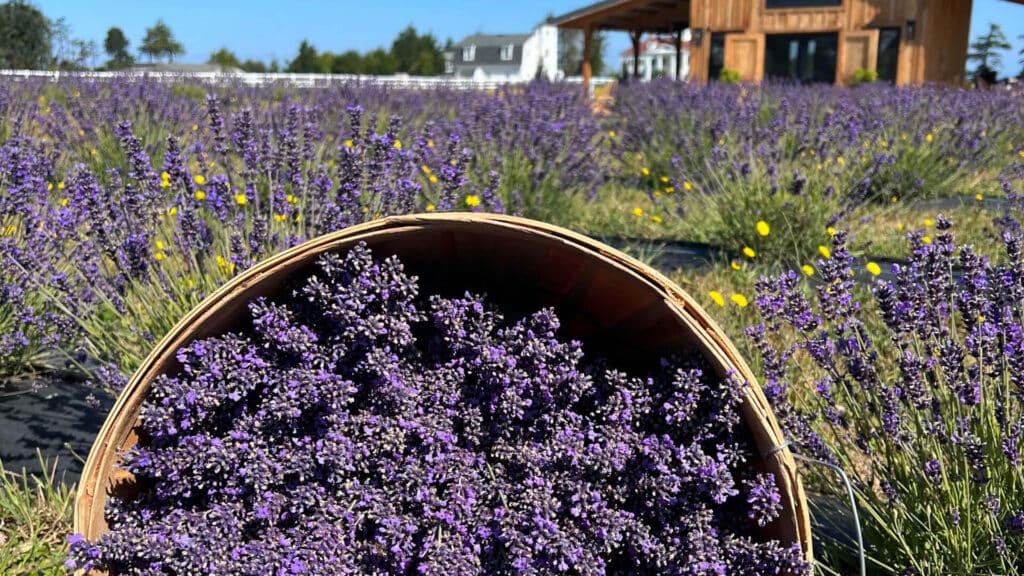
(358, 426)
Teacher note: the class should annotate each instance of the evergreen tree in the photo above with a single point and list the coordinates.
(349, 62)
(24, 36)
(159, 42)
(985, 51)
(225, 59)
(306, 60)
(116, 46)
(380, 62)
(417, 55)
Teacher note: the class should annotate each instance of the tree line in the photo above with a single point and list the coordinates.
(29, 40)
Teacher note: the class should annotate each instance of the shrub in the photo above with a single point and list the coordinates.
(916, 393)
(729, 76)
(864, 76)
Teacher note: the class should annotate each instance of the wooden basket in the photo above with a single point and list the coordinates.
(620, 307)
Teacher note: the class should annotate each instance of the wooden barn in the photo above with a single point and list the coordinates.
(904, 41)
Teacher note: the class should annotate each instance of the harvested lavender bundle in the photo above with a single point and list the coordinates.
(361, 428)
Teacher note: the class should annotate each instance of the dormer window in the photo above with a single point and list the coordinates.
(507, 51)
(469, 53)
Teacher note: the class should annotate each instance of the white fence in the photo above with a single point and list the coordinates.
(300, 80)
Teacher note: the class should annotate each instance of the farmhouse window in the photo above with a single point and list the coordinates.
(507, 51)
(469, 53)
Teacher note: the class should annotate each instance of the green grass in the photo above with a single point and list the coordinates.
(35, 519)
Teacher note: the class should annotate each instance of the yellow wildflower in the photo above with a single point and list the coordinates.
(426, 169)
(830, 231)
(645, 171)
(93, 151)
(669, 190)
(928, 222)
(762, 228)
(9, 230)
(928, 138)
(899, 227)
(808, 270)
(241, 199)
(200, 179)
(159, 256)
(749, 252)
(472, 200)
(656, 219)
(60, 185)
(875, 269)
(172, 211)
(159, 245)
(200, 195)
(398, 144)
(348, 143)
(291, 199)
(739, 300)
(280, 217)
(165, 183)
(927, 239)
(430, 207)
(430, 143)
(225, 264)
(638, 211)
(611, 133)
(687, 186)
(433, 179)
(894, 199)
(717, 297)
(64, 202)
(824, 251)
(735, 265)
(195, 127)
(49, 186)
(978, 197)
(664, 179)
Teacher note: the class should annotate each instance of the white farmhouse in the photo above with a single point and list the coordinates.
(658, 58)
(506, 57)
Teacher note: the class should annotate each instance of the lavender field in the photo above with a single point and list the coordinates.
(866, 250)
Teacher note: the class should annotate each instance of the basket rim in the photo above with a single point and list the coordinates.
(769, 439)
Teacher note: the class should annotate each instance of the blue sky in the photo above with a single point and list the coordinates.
(269, 29)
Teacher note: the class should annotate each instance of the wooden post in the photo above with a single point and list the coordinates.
(588, 40)
(634, 37)
(679, 52)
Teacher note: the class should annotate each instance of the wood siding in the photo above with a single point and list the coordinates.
(937, 53)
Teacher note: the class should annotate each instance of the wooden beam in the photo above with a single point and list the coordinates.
(679, 52)
(588, 45)
(634, 37)
(629, 14)
(661, 22)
